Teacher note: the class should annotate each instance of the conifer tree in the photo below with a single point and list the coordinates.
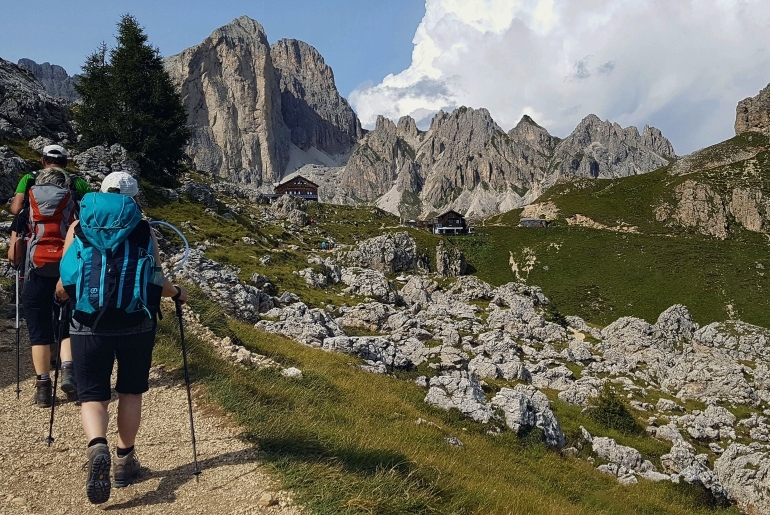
(130, 99)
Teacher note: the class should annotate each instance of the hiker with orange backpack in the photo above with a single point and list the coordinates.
(49, 199)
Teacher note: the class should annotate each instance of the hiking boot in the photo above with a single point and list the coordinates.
(68, 384)
(98, 484)
(43, 393)
(125, 470)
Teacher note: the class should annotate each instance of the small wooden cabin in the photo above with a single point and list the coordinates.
(450, 222)
(297, 186)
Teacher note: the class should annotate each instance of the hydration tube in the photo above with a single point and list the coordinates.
(186, 245)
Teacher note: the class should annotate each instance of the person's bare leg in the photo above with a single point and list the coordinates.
(41, 359)
(66, 350)
(94, 416)
(129, 418)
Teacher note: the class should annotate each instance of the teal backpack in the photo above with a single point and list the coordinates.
(108, 269)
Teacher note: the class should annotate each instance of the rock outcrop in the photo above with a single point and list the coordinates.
(389, 253)
(233, 100)
(54, 79)
(450, 261)
(312, 108)
(753, 113)
(27, 110)
(97, 162)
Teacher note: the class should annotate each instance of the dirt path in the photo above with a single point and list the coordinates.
(35, 478)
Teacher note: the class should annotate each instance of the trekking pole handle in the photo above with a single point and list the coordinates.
(177, 302)
(186, 244)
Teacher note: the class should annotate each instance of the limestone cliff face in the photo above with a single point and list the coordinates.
(598, 149)
(27, 110)
(465, 150)
(381, 158)
(312, 108)
(233, 101)
(753, 114)
(54, 79)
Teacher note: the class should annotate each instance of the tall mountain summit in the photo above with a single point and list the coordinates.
(257, 111)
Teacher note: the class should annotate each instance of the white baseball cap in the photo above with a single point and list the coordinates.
(123, 181)
(54, 151)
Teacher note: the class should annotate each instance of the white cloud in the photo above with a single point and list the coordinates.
(679, 65)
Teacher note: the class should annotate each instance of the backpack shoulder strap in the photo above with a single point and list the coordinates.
(82, 237)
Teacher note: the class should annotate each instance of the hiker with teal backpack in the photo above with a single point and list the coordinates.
(111, 274)
(47, 202)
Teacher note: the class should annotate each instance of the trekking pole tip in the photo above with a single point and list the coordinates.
(49, 440)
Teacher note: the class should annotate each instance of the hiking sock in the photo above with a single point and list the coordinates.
(67, 364)
(122, 453)
(44, 377)
(97, 441)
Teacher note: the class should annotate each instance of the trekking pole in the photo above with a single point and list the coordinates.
(59, 332)
(18, 338)
(178, 304)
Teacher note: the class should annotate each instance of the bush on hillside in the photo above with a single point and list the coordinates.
(610, 411)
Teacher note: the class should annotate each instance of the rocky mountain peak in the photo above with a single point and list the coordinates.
(603, 149)
(299, 57)
(384, 124)
(54, 79)
(528, 132)
(233, 101)
(311, 106)
(243, 29)
(753, 113)
(467, 125)
(408, 127)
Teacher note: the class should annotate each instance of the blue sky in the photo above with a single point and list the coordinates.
(680, 66)
(362, 40)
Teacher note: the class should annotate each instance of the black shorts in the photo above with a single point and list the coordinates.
(94, 357)
(40, 312)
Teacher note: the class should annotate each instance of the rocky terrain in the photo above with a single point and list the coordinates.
(498, 355)
(703, 390)
(312, 108)
(27, 110)
(229, 86)
(54, 79)
(258, 111)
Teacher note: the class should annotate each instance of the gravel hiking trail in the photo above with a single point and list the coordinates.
(37, 479)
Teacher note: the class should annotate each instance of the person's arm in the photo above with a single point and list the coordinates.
(169, 289)
(14, 249)
(67, 242)
(17, 203)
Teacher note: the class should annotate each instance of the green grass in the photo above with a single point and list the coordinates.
(602, 275)
(346, 441)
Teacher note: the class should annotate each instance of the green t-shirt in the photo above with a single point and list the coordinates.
(81, 186)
